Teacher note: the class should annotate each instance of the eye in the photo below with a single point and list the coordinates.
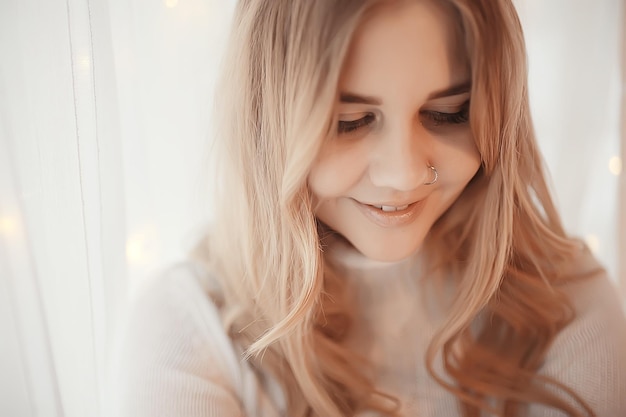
(433, 118)
(348, 126)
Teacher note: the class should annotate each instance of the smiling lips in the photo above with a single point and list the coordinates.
(391, 216)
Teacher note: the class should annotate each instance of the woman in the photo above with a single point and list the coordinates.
(385, 243)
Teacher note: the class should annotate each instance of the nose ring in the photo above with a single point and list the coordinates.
(436, 177)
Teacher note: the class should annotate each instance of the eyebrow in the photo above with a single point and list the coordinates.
(453, 90)
(355, 98)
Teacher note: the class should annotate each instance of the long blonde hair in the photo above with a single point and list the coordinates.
(278, 298)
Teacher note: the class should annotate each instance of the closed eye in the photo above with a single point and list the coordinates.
(348, 126)
(433, 119)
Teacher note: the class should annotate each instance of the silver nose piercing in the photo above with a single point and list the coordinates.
(436, 177)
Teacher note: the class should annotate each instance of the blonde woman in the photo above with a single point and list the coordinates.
(385, 243)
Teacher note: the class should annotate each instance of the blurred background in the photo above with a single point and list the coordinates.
(104, 132)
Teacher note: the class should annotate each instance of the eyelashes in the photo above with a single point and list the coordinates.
(441, 118)
(352, 125)
(431, 119)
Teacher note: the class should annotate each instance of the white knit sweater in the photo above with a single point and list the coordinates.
(174, 359)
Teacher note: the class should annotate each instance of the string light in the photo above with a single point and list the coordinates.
(615, 165)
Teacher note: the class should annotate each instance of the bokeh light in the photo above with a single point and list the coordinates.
(84, 62)
(140, 247)
(594, 243)
(8, 225)
(615, 165)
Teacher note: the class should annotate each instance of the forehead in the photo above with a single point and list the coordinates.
(406, 45)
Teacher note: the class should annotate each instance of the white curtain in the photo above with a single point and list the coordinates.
(104, 109)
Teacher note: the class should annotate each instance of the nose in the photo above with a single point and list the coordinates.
(400, 160)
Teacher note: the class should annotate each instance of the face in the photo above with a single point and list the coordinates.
(402, 107)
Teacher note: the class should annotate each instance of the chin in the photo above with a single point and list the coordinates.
(388, 253)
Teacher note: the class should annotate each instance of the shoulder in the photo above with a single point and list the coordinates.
(173, 357)
(176, 303)
(589, 355)
(177, 300)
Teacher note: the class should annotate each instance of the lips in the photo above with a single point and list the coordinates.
(391, 216)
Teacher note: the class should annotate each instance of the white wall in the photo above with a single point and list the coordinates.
(575, 56)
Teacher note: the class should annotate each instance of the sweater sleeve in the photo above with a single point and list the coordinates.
(589, 355)
(172, 358)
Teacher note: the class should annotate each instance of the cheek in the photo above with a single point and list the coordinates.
(335, 172)
(466, 163)
(461, 157)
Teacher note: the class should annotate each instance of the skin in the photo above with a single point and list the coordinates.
(407, 60)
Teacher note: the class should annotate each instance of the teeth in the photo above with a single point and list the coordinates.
(392, 208)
